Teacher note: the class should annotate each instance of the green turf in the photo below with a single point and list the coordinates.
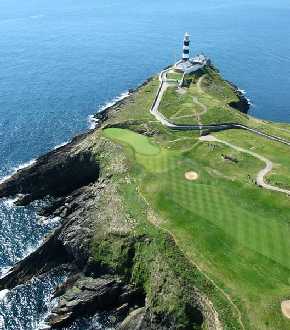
(237, 232)
(140, 143)
(174, 75)
(215, 94)
(276, 152)
(215, 86)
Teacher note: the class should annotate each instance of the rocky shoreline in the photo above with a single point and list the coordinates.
(243, 105)
(77, 180)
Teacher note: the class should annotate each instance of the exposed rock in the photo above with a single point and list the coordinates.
(51, 206)
(89, 295)
(134, 320)
(230, 158)
(57, 173)
(70, 243)
(143, 319)
(92, 211)
(242, 104)
(86, 297)
(51, 254)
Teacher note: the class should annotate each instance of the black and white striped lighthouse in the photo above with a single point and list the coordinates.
(186, 42)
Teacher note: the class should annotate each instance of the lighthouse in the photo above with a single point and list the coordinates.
(187, 65)
(186, 42)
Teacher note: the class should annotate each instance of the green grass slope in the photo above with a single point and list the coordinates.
(236, 232)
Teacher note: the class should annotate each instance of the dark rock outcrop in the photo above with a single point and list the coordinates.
(71, 176)
(86, 297)
(49, 255)
(142, 319)
(68, 244)
(242, 104)
(57, 173)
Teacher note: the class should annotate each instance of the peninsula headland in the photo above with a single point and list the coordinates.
(174, 211)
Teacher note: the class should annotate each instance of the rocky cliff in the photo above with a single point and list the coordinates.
(117, 261)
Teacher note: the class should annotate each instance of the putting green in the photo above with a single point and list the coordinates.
(140, 143)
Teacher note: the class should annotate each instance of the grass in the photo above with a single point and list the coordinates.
(238, 232)
(140, 143)
(215, 94)
(174, 75)
(174, 102)
(137, 105)
(276, 152)
(218, 88)
(149, 258)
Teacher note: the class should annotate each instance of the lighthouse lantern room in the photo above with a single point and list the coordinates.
(186, 64)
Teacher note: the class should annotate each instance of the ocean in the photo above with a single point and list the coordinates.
(61, 61)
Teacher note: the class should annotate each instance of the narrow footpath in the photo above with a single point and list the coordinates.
(164, 84)
(214, 127)
(260, 178)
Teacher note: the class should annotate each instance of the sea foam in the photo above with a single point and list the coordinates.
(26, 164)
(5, 271)
(3, 294)
(60, 145)
(93, 121)
(243, 92)
(9, 202)
(17, 168)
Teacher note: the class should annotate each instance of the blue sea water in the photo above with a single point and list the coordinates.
(61, 60)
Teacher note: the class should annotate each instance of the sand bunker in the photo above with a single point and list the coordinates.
(285, 306)
(191, 176)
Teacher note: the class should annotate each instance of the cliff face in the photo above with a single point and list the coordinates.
(98, 244)
(242, 104)
(66, 167)
(116, 259)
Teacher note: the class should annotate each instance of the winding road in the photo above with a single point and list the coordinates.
(164, 84)
(260, 178)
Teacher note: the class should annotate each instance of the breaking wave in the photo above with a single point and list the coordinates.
(17, 168)
(27, 305)
(93, 121)
(243, 92)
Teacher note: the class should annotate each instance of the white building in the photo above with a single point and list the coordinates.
(186, 64)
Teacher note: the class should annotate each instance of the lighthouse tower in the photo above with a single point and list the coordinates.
(186, 42)
(187, 65)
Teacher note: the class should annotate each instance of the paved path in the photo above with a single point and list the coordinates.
(261, 175)
(216, 127)
(198, 84)
(209, 127)
(161, 90)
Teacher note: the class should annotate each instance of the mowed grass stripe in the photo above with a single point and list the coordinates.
(239, 232)
(207, 200)
(232, 219)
